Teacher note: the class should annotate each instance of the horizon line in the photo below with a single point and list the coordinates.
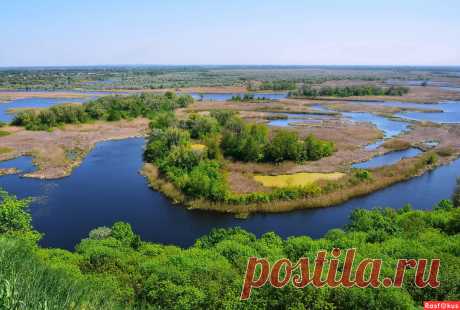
(227, 65)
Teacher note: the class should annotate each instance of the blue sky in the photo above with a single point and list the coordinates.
(355, 32)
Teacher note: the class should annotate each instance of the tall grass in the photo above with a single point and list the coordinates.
(27, 283)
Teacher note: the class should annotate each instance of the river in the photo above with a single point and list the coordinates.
(107, 187)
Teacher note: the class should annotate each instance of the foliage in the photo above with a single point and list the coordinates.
(223, 116)
(26, 282)
(110, 272)
(348, 91)
(14, 218)
(250, 142)
(248, 98)
(110, 108)
(363, 175)
(100, 233)
(163, 120)
(244, 141)
(286, 145)
(199, 173)
(200, 126)
(276, 85)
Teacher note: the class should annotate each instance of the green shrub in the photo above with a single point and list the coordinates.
(200, 126)
(206, 180)
(110, 108)
(285, 145)
(363, 175)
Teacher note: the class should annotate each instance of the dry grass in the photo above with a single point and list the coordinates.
(6, 171)
(396, 145)
(50, 149)
(8, 96)
(4, 133)
(242, 183)
(4, 150)
(18, 110)
(297, 179)
(346, 190)
(153, 176)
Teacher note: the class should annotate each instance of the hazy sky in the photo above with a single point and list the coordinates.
(88, 32)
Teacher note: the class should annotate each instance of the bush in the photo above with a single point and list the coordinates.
(347, 91)
(100, 233)
(285, 145)
(123, 232)
(163, 120)
(200, 126)
(162, 141)
(431, 159)
(314, 149)
(206, 180)
(223, 116)
(110, 108)
(363, 175)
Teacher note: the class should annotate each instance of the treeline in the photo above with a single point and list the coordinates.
(276, 85)
(113, 268)
(201, 173)
(348, 91)
(248, 98)
(110, 108)
(250, 142)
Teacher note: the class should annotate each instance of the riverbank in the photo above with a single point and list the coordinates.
(337, 192)
(58, 152)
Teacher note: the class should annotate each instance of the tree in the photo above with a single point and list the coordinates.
(284, 146)
(14, 219)
(123, 232)
(13, 216)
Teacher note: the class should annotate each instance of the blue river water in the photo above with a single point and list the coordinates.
(107, 187)
(32, 103)
(387, 159)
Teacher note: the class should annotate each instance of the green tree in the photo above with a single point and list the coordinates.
(123, 232)
(284, 145)
(14, 218)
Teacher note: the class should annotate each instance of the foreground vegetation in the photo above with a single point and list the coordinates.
(114, 268)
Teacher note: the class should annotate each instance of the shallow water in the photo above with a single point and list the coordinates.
(450, 113)
(31, 103)
(387, 159)
(450, 110)
(107, 188)
(390, 128)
